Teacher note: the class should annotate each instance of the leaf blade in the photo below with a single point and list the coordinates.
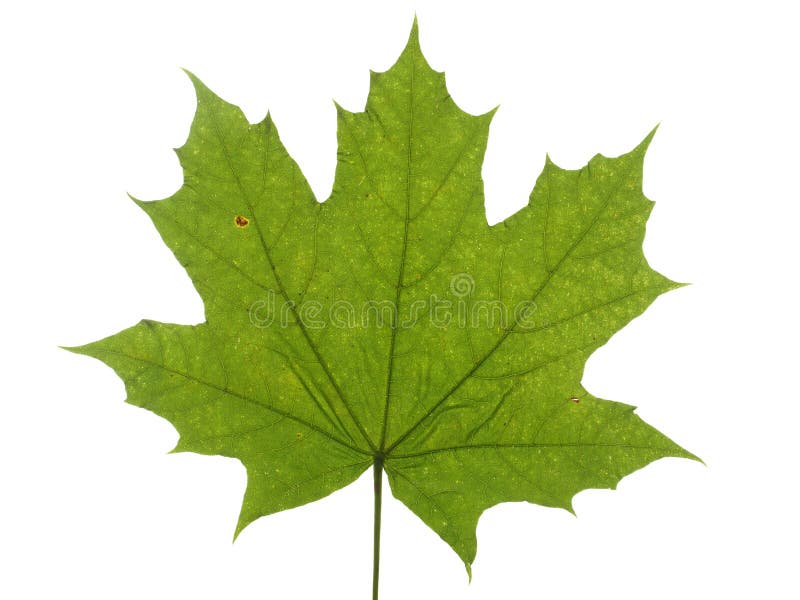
(324, 347)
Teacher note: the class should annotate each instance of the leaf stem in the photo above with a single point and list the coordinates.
(377, 472)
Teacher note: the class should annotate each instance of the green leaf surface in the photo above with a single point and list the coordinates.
(391, 323)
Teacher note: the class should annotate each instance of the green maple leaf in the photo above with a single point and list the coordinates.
(391, 326)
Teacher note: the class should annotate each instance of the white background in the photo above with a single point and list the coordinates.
(91, 506)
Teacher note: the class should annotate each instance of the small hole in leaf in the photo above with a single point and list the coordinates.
(241, 221)
(575, 400)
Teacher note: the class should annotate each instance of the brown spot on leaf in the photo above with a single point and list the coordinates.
(299, 435)
(241, 221)
(575, 400)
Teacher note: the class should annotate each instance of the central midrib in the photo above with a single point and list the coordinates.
(402, 267)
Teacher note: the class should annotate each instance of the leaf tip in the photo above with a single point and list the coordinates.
(236, 534)
(489, 114)
(681, 452)
(241, 525)
(413, 36)
(696, 458)
(676, 285)
(642, 147)
(137, 201)
(200, 88)
(570, 507)
(83, 350)
(178, 449)
(192, 77)
(198, 85)
(341, 111)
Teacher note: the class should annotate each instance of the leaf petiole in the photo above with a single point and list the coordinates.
(377, 471)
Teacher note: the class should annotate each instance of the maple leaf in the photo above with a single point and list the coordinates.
(391, 326)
